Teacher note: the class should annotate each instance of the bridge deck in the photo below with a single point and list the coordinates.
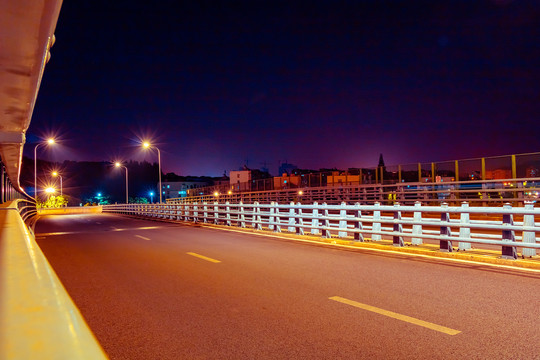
(150, 290)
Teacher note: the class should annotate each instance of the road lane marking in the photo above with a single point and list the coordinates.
(203, 257)
(142, 237)
(397, 316)
(112, 229)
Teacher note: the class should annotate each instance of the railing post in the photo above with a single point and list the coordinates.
(271, 218)
(343, 220)
(445, 245)
(257, 217)
(299, 220)
(216, 213)
(464, 232)
(277, 226)
(376, 225)
(358, 223)
(528, 236)
(508, 252)
(186, 214)
(326, 231)
(195, 212)
(178, 212)
(228, 213)
(398, 227)
(291, 219)
(417, 228)
(242, 217)
(315, 221)
(205, 213)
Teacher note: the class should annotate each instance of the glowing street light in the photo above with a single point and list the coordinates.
(151, 197)
(119, 164)
(49, 142)
(50, 190)
(147, 145)
(55, 174)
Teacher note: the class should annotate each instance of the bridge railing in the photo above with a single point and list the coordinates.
(38, 319)
(512, 228)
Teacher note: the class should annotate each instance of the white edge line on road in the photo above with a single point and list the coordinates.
(142, 237)
(386, 251)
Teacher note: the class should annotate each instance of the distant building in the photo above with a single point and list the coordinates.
(286, 168)
(498, 174)
(287, 181)
(178, 189)
(338, 178)
(242, 180)
(532, 172)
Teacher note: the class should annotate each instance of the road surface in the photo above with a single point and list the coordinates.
(155, 290)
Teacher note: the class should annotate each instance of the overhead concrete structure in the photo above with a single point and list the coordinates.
(26, 36)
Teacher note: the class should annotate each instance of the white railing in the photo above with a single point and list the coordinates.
(448, 225)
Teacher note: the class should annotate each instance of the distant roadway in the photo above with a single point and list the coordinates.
(154, 290)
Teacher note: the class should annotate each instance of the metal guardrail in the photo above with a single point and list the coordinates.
(488, 193)
(38, 319)
(444, 223)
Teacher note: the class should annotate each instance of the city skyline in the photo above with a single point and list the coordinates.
(216, 85)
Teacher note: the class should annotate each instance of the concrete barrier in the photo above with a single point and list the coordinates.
(38, 319)
(71, 210)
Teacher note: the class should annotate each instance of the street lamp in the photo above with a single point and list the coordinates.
(55, 174)
(147, 145)
(118, 164)
(151, 197)
(48, 142)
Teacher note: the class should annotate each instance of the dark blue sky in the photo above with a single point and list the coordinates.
(319, 83)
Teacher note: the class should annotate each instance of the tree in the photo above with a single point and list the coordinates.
(53, 202)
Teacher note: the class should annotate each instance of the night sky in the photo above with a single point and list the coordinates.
(317, 84)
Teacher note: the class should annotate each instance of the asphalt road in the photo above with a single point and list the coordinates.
(153, 290)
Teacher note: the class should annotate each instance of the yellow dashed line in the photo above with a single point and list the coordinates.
(203, 257)
(397, 316)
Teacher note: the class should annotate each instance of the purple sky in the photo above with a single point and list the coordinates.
(319, 84)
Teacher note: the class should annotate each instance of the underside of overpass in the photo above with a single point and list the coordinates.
(26, 37)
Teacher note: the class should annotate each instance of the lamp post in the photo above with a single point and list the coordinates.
(151, 197)
(55, 174)
(118, 164)
(147, 145)
(49, 142)
(50, 190)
